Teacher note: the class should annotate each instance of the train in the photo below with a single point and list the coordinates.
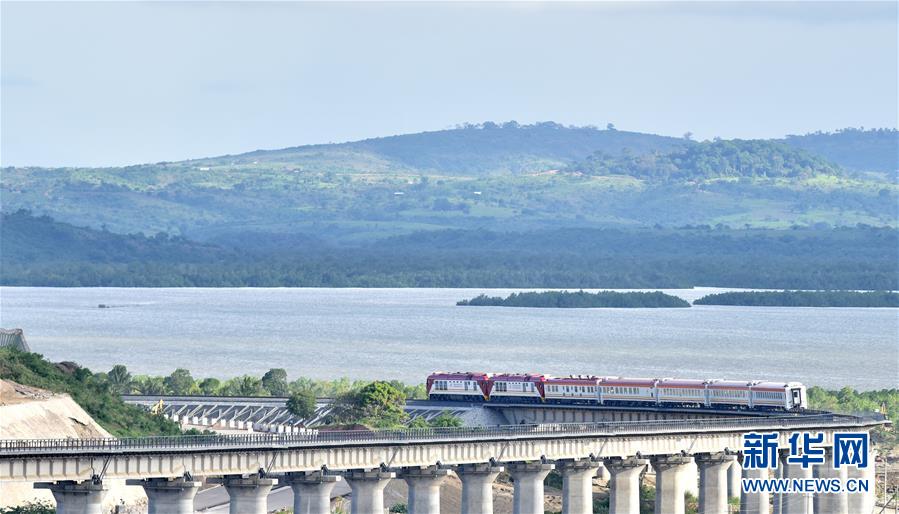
(479, 387)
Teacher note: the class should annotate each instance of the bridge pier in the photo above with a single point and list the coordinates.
(311, 491)
(168, 495)
(863, 502)
(734, 476)
(76, 497)
(672, 473)
(754, 503)
(424, 488)
(248, 494)
(477, 487)
(528, 486)
(577, 485)
(368, 489)
(624, 484)
(713, 481)
(794, 503)
(831, 503)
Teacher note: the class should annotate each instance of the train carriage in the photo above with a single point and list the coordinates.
(627, 391)
(729, 394)
(470, 387)
(573, 389)
(681, 393)
(777, 395)
(517, 388)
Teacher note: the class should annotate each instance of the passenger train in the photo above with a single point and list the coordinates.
(617, 391)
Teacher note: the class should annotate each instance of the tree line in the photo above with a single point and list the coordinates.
(803, 299)
(580, 299)
(38, 251)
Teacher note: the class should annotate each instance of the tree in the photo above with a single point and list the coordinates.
(446, 420)
(180, 381)
(275, 382)
(119, 380)
(151, 385)
(210, 386)
(688, 135)
(610, 126)
(382, 404)
(247, 386)
(302, 404)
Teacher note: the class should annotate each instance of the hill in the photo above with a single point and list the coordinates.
(483, 149)
(27, 238)
(489, 176)
(59, 254)
(857, 149)
(735, 159)
(89, 390)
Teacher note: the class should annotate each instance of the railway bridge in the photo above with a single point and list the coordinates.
(270, 414)
(248, 466)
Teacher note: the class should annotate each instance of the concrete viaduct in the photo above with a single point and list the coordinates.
(249, 465)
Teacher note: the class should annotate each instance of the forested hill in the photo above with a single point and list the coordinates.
(30, 239)
(489, 176)
(858, 149)
(734, 159)
(41, 252)
(486, 148)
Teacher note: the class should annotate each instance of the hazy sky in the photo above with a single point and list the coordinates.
(107, 83)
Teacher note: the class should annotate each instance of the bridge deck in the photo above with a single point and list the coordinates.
(324, 439)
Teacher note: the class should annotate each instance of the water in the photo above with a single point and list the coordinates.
(406, 333)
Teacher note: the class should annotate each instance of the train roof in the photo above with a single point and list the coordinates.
(456, 375)
(628, 381)
(573, 379)
(519, 377)
(729, 384)
(778, 386)
(686, 383)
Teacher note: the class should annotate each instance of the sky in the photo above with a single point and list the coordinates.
(107, 84)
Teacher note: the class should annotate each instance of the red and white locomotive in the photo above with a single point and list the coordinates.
(631, 392)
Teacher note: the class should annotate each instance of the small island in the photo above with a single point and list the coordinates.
(803, 299)
(580, 300)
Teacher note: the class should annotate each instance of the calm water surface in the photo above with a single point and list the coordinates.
(406, 333)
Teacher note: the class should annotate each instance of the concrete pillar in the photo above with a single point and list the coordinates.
(863, 502)
(577, 485)
(248, 494)
(713, 475)
(691, 478)
(368, 489)
(624, 484)
(168, 495)
(602, 473)
(424, 488)
(670, 482)
(777, 498)
(754, 503)
(734, 479)
(528, 486)
(477, 487)
(831, 503)
(76, 497)
(794, 503)
(311, 491)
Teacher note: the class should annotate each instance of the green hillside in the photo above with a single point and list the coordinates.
(857, 149)
(92, 391)
(495, 177)
(718, 160)
(42, 252)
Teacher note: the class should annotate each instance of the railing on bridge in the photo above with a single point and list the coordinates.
(25, 447)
